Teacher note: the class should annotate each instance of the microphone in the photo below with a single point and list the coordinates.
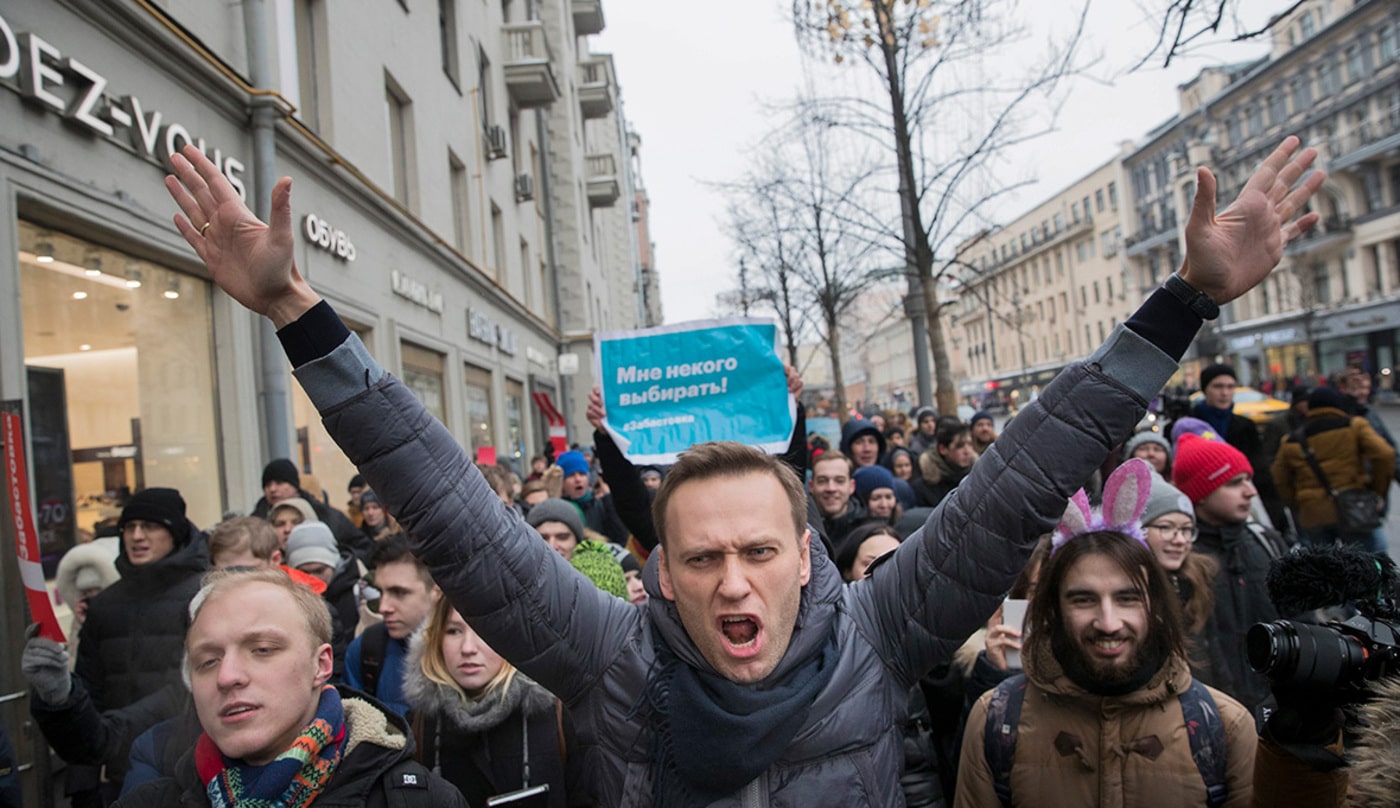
(1309, 578)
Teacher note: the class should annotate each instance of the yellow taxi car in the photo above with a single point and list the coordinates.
(1252, 404)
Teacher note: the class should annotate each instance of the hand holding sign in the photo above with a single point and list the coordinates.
(26, 538)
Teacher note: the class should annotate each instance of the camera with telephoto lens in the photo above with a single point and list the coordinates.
(1337, 655)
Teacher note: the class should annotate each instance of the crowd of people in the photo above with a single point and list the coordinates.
(828, 626)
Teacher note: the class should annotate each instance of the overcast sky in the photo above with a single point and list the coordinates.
(697, 80)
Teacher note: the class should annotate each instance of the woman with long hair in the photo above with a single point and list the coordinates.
(484, 726)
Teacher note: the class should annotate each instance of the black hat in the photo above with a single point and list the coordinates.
(282, 470)
(1210, 373)
(370, 497)
(1328, 397)
(980, 415)
(358, 481)
(163, 506)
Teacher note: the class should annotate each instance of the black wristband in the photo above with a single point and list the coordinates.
(1195, 299)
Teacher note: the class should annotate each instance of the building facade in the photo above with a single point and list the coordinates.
(455, 190)
(1041, 291)
(1332, 78)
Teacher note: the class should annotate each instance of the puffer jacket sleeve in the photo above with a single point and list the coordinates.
(521, 597)
(948, 577)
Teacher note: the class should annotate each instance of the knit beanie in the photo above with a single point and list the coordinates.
(1203, 465)
(924, 412)
(308, 513)
(558, 510)
(572, 462)
(1328, 397)
(1163, 499)
(1211, 372)
(980, 415)
(1147, 436)
(1192, 426)
(368, 496)
(596, 562)
(163, 506)
(312, 542)
(281, 470)
(869, 478)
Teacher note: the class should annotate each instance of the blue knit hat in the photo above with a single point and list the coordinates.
(869, 478)
(980, 415)
(572, 462)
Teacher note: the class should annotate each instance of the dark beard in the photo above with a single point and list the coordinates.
(1152, 653)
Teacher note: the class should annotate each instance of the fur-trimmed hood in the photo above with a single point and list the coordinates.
(934, 469)
(1375, 761)
(98, 556)
(449, 705)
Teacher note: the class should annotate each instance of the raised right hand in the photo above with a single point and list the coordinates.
(248, 259)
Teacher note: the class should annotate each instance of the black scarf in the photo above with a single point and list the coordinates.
(728, 733)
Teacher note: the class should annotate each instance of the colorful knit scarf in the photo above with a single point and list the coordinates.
(293, 779)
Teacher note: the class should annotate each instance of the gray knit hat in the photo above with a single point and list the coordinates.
(312, 542)
(1146, 437)
(1164, 499)
(557, 510)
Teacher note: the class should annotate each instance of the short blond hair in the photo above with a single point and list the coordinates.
(314, 611)
(233, 536)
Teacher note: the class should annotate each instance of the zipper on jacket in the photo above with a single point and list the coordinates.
(755, 794)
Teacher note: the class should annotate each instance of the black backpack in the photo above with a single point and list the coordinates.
(374, 643)
(1209, 748)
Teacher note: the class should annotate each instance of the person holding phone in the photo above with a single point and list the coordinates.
(487, 728)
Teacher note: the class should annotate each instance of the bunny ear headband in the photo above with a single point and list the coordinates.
(1124, 499)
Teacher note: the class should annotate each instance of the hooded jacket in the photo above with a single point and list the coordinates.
(595, 651)
(377, 761)
(1344, 445)
(479, 746)
(853, 429)
(1074, 748)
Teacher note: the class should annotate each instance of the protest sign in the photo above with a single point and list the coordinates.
(668, 388)
(31, 572)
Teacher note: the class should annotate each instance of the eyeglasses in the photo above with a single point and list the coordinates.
(1187, 532)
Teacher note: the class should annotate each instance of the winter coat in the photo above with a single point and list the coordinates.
(99, 556)
(378, 760)
(935, 479)
(1244, 553)
(595, 651)
(347, 536)
(1345, 445)
(600, 515)
(838, 527)
(344, 603)
(1074, 748)
(132, 641)
(479, 746)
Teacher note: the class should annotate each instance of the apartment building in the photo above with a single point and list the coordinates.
(1332, 77)
(1041, 291)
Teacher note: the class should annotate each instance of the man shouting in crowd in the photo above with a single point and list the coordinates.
(753, 675)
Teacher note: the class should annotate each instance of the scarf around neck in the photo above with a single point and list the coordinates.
(293, 779)
(1218, 419)
(727, 734)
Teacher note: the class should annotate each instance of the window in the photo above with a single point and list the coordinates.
(1083, 297)
(1109, 286)
(515, 421)
(1278, 108)
(422, 375)
(1302, 93)
(1388, 41)
(1086, 207)
(483, 88)
(399, 120)
(1328, 82)
(1059, 222)
(309, 20)
(1232, 130)
(477, 383)
(461, 204)
(1074, 212)
(498, 241)
(1098, 297)
(1113, 195)
(1098, 201)
(525, 268)
(1322, 285)
(1356, 64)
(447, 41)
(1110, 248)
(1308, 26)
(1059, 264)
(1254, 119)
(1154, 267)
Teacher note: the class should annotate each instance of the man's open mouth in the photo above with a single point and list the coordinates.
(740, 631)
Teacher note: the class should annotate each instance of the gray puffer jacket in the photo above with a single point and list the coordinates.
(595, 651)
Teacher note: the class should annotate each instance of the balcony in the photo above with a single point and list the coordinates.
(1367, 143)
(528, 72)
(595, 86)
(603, 186)
(588, 16)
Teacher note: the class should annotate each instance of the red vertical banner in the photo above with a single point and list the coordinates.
(31, 572)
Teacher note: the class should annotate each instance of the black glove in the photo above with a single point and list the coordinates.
(1308, 724)
(45, 665)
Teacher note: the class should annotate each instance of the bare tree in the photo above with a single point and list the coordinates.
(942, 123)
(795, 216)
(1186, 23)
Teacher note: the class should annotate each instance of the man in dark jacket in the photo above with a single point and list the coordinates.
(129, 647)
(925, 428)
(749, 635)
(599, 512)
(1217, 408)
(1217, 478)
(281, 481)
(258, 659)
(862, 442)
(831, 489)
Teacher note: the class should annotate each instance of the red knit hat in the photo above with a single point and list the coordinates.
(1202, 465)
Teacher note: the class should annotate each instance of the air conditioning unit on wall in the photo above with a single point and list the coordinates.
(524, 188)
(495, 142)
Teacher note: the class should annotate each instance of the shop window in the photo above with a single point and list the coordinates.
(422, 375)
(515, 422)
(120, 373)
(479, 415)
